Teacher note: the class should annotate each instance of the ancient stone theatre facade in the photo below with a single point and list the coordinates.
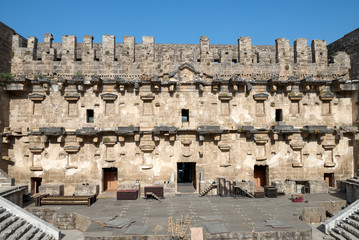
(116, 113)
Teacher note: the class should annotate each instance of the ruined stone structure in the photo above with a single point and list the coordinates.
(117, 114)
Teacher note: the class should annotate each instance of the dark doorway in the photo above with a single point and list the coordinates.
(110, 179)
(329, 177)
(89, 115)
(186, 177)
(278, 115)
(185, 115)
(35, 184)
(260, 175)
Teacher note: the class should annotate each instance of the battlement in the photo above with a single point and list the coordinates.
(110, 59)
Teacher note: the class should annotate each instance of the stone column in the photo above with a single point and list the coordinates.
(300, 51)
(128, 52)
(108, 48)
(48, 52)
(328, 145)
(88, 52)
(147, 146)
(205, 54)
(245, 50)
(36, 147)
(297, 144)
(261, 140)
(71, 147)
(148, 43)
(225, 160)
(282, 50)
(69, 44)
(320, 52)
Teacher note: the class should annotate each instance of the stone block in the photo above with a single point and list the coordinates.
(318, 186)
(52, 189)
(86, 189)
(313, 214)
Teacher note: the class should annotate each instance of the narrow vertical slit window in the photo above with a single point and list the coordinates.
(90, 116)
(278, 115)
(185, 115)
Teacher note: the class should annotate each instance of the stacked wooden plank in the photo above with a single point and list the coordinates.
(65, 200)
(158, 190)
(128, 194)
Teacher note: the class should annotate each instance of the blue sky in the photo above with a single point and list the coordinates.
(173, 21)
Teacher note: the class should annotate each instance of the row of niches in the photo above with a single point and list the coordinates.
(279, 132)
(163, 77)
(176, 84)
(225, 150)
(224, 158)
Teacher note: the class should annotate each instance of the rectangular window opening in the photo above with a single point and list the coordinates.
(90, 115)
(185, 115)
(278, 115)
(234, 60)
(217, 61)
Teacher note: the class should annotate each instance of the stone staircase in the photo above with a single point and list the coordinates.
(206, 190)
(17, 223)
(6, 180)
(345, 224)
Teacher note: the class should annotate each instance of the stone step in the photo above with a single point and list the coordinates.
(30, 234)
(353, 223)
(2, 210)
(355, 216)
(12, 229)
(350, 229)
(5, 224)
(47, 237)
(4, 216)
(344, 233)
(20, 232)
(39, 235)
(336, 235)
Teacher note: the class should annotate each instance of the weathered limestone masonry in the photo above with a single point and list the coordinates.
(6, 54)
(142, 110)
(350, 44)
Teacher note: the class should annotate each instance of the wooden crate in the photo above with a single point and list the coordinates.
(128, 194)
(270, 192)
(158, 190)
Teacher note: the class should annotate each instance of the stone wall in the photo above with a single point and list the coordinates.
(61, 220)
(130, 60)
(79, 108)
(6, 55)
(6, 34)
(231, 128)
(6, 52)
(350, 44)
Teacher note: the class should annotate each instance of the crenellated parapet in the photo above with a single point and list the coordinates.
(131, 60)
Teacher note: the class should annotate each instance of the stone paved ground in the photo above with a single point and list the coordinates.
(237, 214)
